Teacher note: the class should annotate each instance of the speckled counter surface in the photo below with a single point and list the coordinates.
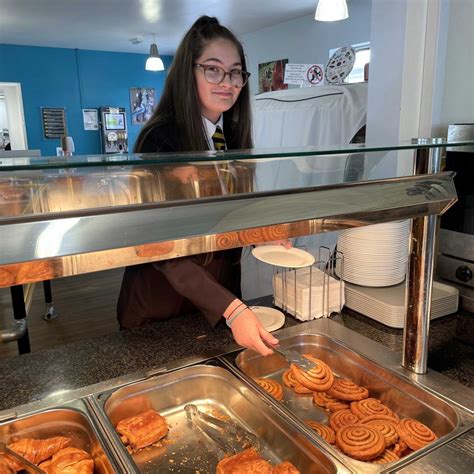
(32, 377)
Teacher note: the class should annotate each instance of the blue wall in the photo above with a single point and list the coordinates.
(75, 79)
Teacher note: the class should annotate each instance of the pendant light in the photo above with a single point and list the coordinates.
(331, 10)
(154, 62)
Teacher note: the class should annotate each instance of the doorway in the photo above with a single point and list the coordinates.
(12, 117)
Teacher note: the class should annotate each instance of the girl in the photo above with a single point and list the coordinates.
(205, 105)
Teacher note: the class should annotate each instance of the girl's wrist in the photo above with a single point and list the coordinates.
(232, 308)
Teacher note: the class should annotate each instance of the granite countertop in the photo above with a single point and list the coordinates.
(32, 377)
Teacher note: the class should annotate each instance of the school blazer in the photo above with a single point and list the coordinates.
(174, 287)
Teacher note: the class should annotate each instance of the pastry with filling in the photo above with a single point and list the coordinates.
(250, 462)
(142, 430)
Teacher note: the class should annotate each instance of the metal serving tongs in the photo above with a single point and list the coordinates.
(230, 437)
(28, 466)
(293, 357)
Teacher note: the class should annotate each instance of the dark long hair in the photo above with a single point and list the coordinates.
(179, 103)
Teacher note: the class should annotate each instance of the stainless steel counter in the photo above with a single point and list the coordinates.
(460, 398)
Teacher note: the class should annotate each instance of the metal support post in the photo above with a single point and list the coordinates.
(420, 275)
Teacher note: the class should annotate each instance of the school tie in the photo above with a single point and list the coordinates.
(218, 139)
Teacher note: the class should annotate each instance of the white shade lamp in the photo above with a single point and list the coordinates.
(154, 62)
(331, 10)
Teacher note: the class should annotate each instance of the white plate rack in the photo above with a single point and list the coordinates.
(313, 291)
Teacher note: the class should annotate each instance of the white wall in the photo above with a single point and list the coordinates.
(457, 101)
(305, 40)
(3, 114)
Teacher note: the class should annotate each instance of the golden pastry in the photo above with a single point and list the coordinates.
(360, 442)
(345, 389)
(387, 456)
(250, 462)
(272, 387)
(37, 450)
(371, 406)
(386, 425)
(70, 461)
(286, 467)
(324, 400)
(324, 431)
(342, 418)
(399, 448)
(415, 434)
(290, 382)
(142, 430)
(317, 379)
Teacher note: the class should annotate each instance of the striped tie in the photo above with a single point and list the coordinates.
(218, 139)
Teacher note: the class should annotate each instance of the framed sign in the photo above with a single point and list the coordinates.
(270, 76)
(142, 104)
(54, 122)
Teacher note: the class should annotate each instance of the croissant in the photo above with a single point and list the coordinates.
(37, 450)
(69, 461)
(5, 467)
(142, 430)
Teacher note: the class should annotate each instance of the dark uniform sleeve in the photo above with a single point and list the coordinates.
(196, 284)
(187, 277)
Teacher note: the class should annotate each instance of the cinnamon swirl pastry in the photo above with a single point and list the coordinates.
(324, 400)
(386, 425)
(387, 456)
(399, 448)
(415, 434)
(360, 442)
(272, 387)
(324, 431)
(342, 418)
(318, 379)
(345, 389)
(371, 406)
(290, 382)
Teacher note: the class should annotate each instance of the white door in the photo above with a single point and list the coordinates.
(14, 115)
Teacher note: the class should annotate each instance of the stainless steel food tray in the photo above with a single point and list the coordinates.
(214, 390)
(71, 420)
(402, 396)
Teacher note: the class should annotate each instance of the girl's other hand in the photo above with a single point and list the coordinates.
(248, 332)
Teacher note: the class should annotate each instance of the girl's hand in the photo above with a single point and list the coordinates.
(284, 242)
(248, 332)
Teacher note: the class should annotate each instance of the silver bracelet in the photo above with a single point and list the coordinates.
(233, 318)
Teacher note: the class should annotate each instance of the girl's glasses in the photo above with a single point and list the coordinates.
(216, 74)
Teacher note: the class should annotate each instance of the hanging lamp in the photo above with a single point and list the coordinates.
(331, 10)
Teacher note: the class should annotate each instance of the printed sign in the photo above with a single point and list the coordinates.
(304, 75)
(90, 119)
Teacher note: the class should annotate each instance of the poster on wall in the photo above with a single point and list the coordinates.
(90, 119)
(304, 75)
(142, 104)
(270, 76)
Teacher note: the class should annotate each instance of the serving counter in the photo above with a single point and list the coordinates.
(82, 214)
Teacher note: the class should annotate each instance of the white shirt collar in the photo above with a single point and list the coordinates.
(211, 129)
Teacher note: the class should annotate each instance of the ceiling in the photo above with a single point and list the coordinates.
(108, 25)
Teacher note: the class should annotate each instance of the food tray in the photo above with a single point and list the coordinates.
(71, 420)
(216, 391)
(403, 397)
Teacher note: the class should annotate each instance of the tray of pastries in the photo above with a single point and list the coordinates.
(236, 431)
(360, 410)
(57, 440)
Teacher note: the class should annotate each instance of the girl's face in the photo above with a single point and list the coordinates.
(217, 98)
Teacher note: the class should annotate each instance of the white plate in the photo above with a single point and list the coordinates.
(271, 318)
(281, 257)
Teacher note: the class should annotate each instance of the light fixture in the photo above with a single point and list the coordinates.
(331, 10)
(154, 62)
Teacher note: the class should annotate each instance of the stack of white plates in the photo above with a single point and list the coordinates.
(387, 305)
(314, 294)
(374, 255)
